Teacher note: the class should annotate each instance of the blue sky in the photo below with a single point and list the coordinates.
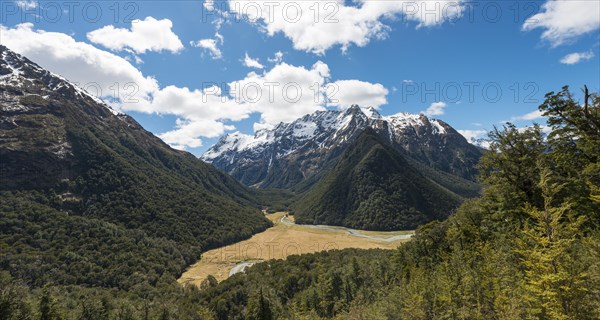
(450, 62)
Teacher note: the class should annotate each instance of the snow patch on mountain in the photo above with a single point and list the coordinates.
(437, 126)
(404, 120)
(372, 113)
(304, 129)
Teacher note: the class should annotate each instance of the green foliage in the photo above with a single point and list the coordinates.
(304, 285)
(114, 207)
(550, 248)
(511, 165)
(191, 203)
(575, 140)
(14, 302)
(259, 307)
(44, 245)
(48, 306)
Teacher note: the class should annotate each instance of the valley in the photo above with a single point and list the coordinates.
(286, 238)
(294, 216)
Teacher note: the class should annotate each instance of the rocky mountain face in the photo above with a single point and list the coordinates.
(294, 155)
(373, 186)
(35, 149)
(84, 158)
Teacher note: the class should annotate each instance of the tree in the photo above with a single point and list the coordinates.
(330, 292)
(579, 125)
(547, 247)
(209, 282)
(125, 313)
(259, 307)
(510, 169)
(48, 310)
(165, 314)
(204, 313)
(12, 299)
(575, 141)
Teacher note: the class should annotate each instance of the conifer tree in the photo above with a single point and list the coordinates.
(48, 310)
(259, 307)
(547, 246)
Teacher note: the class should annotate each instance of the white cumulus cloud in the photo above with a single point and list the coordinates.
(345, 93)
(436, 109)
(576, 57)
(96, 70)
(145, 35)
(287, 92)
(533, 115)
(277, 57)
(565, 20)
(210, 45)
(187, 133)
(317, 26)
(283, 93)
(252, 63)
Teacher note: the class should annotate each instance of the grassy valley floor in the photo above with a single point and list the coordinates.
(286, 238)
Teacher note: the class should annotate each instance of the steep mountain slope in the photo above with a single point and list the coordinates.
(293, 154)
(373, 187)
(63, 151)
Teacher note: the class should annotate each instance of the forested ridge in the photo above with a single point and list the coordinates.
(90, 199)
(528, 248)
(373, 187)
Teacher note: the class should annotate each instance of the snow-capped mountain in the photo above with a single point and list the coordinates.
(293, 152)
(18, 72)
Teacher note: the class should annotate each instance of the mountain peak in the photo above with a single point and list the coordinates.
(18, 71)
(300, 148)
(372, 113)
(354, 110)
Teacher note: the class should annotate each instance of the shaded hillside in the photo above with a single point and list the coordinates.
(373, 187)
(65, 156)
